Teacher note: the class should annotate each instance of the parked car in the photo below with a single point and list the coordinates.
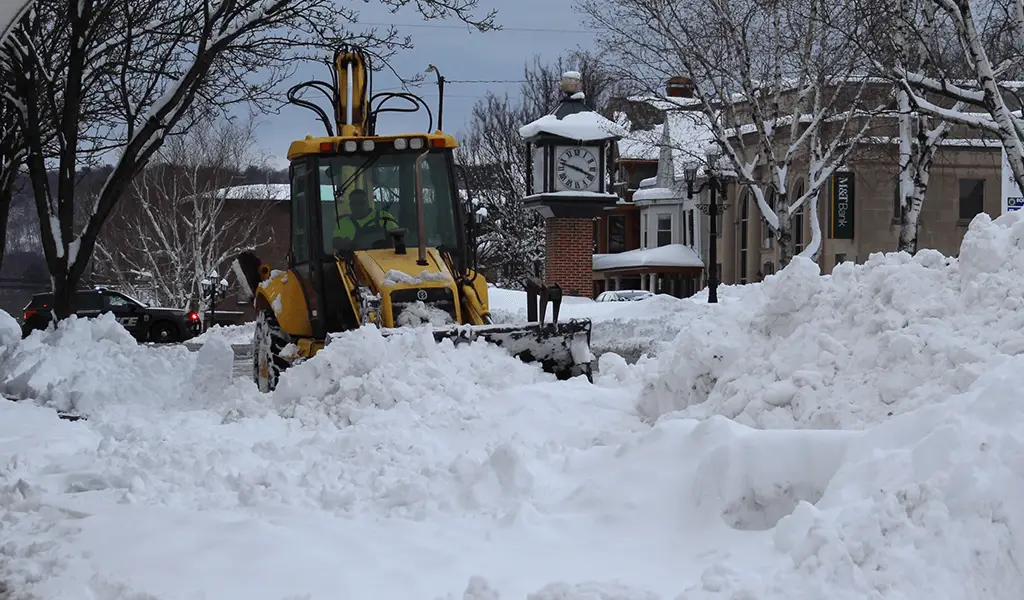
(624, 295)
(144, 322)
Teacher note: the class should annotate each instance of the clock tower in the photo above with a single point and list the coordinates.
(568, 183)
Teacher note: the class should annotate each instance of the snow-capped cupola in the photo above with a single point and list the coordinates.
(568, 152)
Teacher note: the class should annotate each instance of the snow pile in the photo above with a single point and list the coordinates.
(922, 506)
(365, 370)
(233, 335)
(870, 341)
(94, 366)
(417, 314)
(10, 333)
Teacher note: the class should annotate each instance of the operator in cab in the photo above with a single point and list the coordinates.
(360, 218)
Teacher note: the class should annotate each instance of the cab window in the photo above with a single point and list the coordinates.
(363, 196)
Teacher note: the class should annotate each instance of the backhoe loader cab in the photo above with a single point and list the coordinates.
(381, 237)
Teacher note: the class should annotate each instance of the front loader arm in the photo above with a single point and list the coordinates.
(351, 64)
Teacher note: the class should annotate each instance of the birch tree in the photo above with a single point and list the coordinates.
(174, 228)
(989, 36)
(116, 77)
(785, 97)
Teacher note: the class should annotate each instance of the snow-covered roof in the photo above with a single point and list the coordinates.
(641, 144)
(584, 126)
(669, 255)
(277, 192)
(689, 134)
(653, 193)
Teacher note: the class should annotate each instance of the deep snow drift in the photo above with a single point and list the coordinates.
(844, 351)
(400, 468)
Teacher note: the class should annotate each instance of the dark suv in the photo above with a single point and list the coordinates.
(145, 323)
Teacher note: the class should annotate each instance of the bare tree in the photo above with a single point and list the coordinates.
(176, 227)
(512, 237)
(779, 89)
(989, 36)
(12, 159)
(91, 77)
(511, 241)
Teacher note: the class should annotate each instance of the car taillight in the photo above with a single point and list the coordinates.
(193, 316)
(28, 315)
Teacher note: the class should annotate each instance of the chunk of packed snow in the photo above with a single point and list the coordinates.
(10, 332)
(418, 314)
(395, 277)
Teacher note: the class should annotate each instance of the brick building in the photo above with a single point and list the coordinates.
(270, 204)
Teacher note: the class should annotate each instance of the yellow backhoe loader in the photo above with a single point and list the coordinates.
(381, 236)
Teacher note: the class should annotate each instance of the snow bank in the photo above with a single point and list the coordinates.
(233, 335)
(922, 506)
(94, 366)
(364, 370)
(871, 341)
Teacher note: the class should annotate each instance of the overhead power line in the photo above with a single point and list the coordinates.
(469, 27)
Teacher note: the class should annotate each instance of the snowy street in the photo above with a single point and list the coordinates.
(846, 437)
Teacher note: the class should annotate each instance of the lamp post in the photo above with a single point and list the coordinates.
(211, 286)
(712, 182)
(440, 94)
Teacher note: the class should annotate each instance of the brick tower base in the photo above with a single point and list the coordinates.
(569, 259)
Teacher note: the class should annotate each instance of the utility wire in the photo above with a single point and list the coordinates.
(469, 27)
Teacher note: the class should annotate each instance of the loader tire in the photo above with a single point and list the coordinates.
(268, 342)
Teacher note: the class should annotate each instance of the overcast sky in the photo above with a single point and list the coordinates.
(544, 27)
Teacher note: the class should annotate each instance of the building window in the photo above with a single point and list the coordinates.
(689, 226)
(972, 198)
(744, 230)
(768, 268)
(664, 230)
(643, 228)
(766, 231)
(840, 258)
(616, 234)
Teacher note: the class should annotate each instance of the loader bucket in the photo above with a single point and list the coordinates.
(562, 348)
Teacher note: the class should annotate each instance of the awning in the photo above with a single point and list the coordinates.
(667, 258)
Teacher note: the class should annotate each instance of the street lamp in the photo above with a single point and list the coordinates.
(211, 286)
(440, 94)
(713, 182)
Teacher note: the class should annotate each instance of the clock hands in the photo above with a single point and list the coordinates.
(574, 167)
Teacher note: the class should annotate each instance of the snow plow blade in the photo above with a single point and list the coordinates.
(561, 348)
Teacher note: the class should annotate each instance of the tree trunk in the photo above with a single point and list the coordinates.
(63, 295)
(910, 215)
(784, 234)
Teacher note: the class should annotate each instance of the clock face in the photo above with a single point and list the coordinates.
(576, 168)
